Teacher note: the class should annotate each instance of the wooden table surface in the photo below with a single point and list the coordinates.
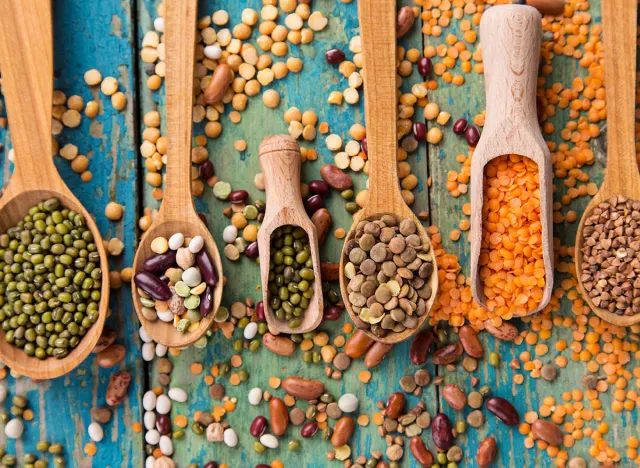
(107, 35)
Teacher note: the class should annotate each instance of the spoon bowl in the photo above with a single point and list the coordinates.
(177, 213)
(622, 177)
(377, 31)
(26, 48)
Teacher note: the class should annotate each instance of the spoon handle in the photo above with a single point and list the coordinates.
(26, 48)
(180, 39)
(378, 35)
(619, 29)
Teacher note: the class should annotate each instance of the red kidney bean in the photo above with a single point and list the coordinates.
(472, 135)
(309, 429)
(441, 431)
(460, 126)
(425, 67)
(258, 426)
(238, 196)
(334, 56)
(205, 170)
(395, 405)
(252, 250)
(260, 312)
(448, 353)
(152, 285)
(163, 424)
(206, 301)
(503, 410)
(364, 145)
(263, 465)
(158, 264)
(419, 131)
(332, 313)
(211, 464)
(319, 187)
(421, 346)
(313, 204)
(208, 270)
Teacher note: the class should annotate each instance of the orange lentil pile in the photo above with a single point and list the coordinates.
(511, 263)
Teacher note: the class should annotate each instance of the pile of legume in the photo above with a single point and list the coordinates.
(50, 281)
(389, 269)
(291, 274)
(176, 285)
(511, 263)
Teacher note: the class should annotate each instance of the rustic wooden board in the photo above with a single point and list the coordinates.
(83, 32)
(86, 32)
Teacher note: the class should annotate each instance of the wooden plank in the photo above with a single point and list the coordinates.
(83, 33)
(307, 91)
(468, 101)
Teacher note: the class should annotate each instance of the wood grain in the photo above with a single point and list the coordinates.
(26, 48)
(280, 163)
(178, 213)
(377, 32)
(622, 176)
(510, 36)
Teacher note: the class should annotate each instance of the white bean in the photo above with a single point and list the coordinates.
(95, 432)
(149, 400)
(149, 420)
(192, 277)
(152, 437)
(255, 396)
(148, 351)
(158, 24)
(250, 330)
(213, 52)
(230, 234)
(161, 350)
(269, 441)
(15, 428)
(230, 437)
(144, 336)
(348, 403)
(148, 463)
(165, 315)
(177, 394)
(196, 244)
(176, 241)
(166, 445)
(163, 405)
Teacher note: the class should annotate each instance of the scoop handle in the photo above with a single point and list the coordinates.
(280, 163)
(619, 30)
(180, 41)
(378, 34)
(26, 52)
(510, 37)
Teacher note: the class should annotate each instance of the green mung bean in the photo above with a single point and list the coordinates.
(50, 282)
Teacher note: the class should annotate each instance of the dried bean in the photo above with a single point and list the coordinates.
(422, 455)
(441, 431)
(503, 410)
(448, 353)
(487, 452)
(421, 347)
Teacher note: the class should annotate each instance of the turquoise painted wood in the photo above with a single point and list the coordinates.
(108, 36)
(94, 35)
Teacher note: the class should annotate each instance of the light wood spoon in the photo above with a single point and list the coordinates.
(26, 51)
(280, 163)
(178, 213)
(510, 38)
(377, 31)
(621, 177)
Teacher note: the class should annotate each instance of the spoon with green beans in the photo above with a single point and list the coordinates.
(288, 244)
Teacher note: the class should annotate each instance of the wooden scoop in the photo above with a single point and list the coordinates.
(377, 31)
(622, 177)
(177, 213)
(26, 51)
(510, 38)
(280, 163)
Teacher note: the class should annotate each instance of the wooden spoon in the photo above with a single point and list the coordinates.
(177, 213)
(26, 48)
(280, 163)
(510, 37)
(377, 31)
(621, 177)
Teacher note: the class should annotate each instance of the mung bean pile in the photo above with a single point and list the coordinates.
(291, 274)
(50, 281)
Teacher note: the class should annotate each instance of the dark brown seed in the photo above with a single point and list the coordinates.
(503, 410)
(441, 431)
(425, 67)
(472, 135)
(334, 56)
(460, 126)
(448, 353)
